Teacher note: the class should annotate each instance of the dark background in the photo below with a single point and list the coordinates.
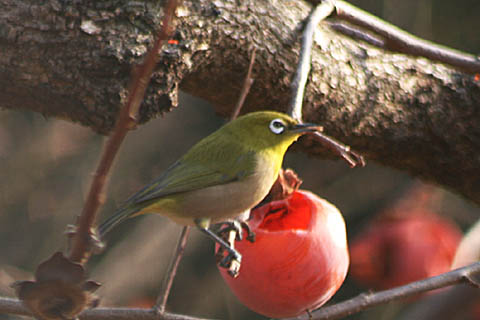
(46, 167)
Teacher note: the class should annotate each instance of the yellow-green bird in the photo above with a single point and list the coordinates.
(220, 178)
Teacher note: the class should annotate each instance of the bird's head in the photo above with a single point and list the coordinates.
(265, 129)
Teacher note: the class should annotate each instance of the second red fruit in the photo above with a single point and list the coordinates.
(402, 248)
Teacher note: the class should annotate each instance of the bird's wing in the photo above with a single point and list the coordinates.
(185, 176)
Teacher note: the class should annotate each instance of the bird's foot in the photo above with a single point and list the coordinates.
(238, 227)
(231, 262)
(227, 257)
(230, 231)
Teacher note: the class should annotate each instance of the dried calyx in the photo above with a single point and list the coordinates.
(60, 289)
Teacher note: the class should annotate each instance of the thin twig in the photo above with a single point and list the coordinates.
(351, 157)
(82, 239)
(368, 300)
(320, 12)
(247, 83)
(14, 306)
(443, 305)
(336, 311)
(397, 40)
(161, 302)
(355, 33)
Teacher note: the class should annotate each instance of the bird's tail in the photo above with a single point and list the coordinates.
(120, 215)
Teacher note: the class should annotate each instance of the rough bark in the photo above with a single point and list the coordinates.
(73, 60)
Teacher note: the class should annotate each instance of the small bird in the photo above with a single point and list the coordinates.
(221, 177)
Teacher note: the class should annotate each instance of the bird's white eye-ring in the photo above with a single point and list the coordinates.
(277, 126)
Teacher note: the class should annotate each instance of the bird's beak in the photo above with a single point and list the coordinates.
(306, 127)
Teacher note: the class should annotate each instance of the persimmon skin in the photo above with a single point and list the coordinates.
(298, 260)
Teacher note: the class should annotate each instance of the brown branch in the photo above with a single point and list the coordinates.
(161, 302)
(356, 33)
(397, 40)
(81, 241)
(447, 304)
(14, 306)
(336, 311)
(247, 83)
(351, 157)
(130, 314)
(368, 300)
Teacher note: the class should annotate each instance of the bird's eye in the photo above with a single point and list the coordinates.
(277, 126)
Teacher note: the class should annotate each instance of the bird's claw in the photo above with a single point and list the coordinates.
(231, 261)
(238, 227)
(229, 226)
(231, 231)
(234, 268)
(226, 255)
(250, 233)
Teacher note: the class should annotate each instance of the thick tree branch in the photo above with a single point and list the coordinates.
(74, 61)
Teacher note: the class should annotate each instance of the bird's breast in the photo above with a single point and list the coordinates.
(222, 202)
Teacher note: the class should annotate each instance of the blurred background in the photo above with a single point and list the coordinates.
(46, 166)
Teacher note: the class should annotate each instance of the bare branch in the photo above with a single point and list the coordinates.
(81, 241)
(336, 311)
(397, 40)
(161, 302)
(368, 300)
(247, 83)
(14, 306)
(447, 304)
(355, 33)
(321, 11)
(351, 157)
(131, 314)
